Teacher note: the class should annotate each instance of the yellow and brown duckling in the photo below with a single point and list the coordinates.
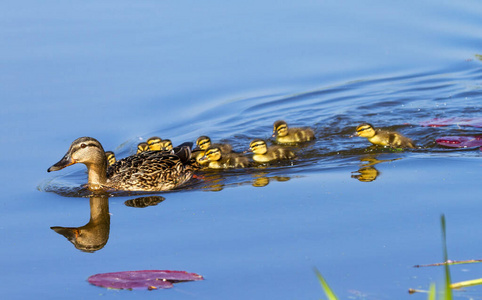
(204, 142)
(166, 145)
(198, 156)
(110, 157)
(146, 171)
(285, 135)
(219, 160)
(154, 143)
(142, 147)
(386, 138)
(263, 154)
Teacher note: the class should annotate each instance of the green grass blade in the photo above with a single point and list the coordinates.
(432, 292)
(448, 290)
(462, 284)
(329, 293)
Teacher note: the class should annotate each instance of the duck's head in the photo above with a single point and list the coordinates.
(258, 146)
(203, 142)
(84, 150)
(110, 157)
(212, 154)
(365, 130)
(154, 143)
(142, 147)
(166, 145)
(280, 128)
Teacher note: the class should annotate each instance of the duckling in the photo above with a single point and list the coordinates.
(142, 147)
(263, 154)
(154, 143)
(198, 155)
(204, 142)
(110, 157)
(219, 160)
(166, 145)
(285, 135)
(146, 171)
(380, 137)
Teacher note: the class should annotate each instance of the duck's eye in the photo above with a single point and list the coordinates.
(83, 145)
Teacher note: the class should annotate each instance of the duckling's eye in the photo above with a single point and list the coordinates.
(83, 145)
(282, 127)
(363, 129)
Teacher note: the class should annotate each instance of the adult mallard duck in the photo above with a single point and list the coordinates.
(285, 135)
(219, 160)
(204, 142)
(262, 153)
(142, 147)
(110, 157)
(146, 171)
(380, 137)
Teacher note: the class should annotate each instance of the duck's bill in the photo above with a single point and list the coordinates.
(64, 162)
(354, 135)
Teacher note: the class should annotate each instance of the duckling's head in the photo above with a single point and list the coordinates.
(166, 145)
(280, 128)
(142, 147)
(154, 143)
(203, 142)
(258, 146)
(213, 154)
(110, 157)
(84, 150)
(365, 130)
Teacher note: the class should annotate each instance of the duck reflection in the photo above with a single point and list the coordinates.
(144, 201)
(367, 171)
(94, 235)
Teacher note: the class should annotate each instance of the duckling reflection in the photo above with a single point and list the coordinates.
(367, 171)
(261, 180)
(214, 183)
(94, 235)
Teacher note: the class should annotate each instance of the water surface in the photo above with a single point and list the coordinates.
(122, 72)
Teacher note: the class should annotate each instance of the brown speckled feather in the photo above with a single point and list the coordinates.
(148, 171)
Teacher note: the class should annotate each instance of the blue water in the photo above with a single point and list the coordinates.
(123, 71)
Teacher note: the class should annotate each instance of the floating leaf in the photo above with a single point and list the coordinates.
(440, 122)
(145, 279)
(460, 141)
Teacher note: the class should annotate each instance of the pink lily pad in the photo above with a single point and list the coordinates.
(460, 141)
(440, 122)
(145, 279)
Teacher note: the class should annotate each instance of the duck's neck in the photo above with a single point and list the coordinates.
(97, 175)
